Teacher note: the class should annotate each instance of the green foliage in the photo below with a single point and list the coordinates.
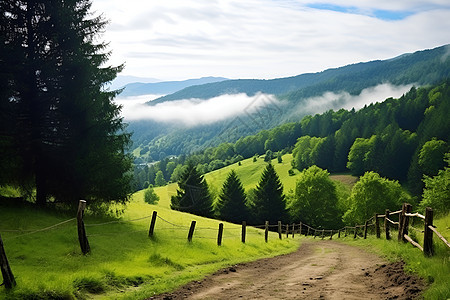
(150, 196)
(279, 158)
(193, 195)
(315, 201)
(159, 179)
(62, 131)
(373, 194)
(437, 190)
(232, 203)
(431, 156)
(269, 203)
(268, 157)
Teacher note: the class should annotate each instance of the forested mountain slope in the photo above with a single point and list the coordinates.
(421, 67)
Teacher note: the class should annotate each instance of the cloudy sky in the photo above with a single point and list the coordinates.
(181, 39)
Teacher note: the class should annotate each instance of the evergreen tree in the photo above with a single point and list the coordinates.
(69, 138)
(193, 195)
(159, 179)
(231, 205)
(269, 203)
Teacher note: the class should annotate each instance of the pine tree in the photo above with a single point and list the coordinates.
(269, 203)
(193, 195)
(231, 205)
(69, 136)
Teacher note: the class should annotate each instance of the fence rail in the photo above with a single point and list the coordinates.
(404, 216)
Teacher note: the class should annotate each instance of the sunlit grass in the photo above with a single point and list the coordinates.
(124, 262)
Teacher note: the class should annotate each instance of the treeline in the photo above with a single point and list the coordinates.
(401, 139)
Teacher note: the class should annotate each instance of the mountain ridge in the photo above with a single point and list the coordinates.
(355, 76)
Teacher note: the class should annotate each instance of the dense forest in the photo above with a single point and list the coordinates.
(154, 140)
(401, 139)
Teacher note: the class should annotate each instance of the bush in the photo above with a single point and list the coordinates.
(150, 196)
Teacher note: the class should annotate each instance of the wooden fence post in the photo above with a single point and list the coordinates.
(323, 233)
(191, 231)
(339, 233)
(386, 224)
(307, 232)
(400, 223)
(287, 230)
(244, 229)
(279, 230)
(405, 222)
(365, 229)
(377, 227)
(266, 231)
(293, 230)
(300, 230)
(219, 235)
(345, 231)
(8, 278)
(356, 231)
(331, 236)
(82, 238)
(152, 224)
(428, 233)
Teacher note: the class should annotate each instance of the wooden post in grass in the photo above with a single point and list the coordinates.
(405, 222)
(300, 230)
(386, 224)
(365, 229)
(307, 232)
(244, 229)
(345, 231)
(266, 231)
(428, 233)
(219, 235)
(8, 278)
(287, 230)
(191, 231)
(356, 231)
(152, 224)
(377, 227)
(293, 230)
(82, 238)
(331, 236)
(400, 222)
(279, 230)
(339, 233)
(323, 233)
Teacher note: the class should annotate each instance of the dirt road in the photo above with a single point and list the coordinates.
(318, 270)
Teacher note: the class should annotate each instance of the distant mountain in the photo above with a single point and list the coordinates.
(122, 80)
(165, 87)
(421, 67)
(296, 94)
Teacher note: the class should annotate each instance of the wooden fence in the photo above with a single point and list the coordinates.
(404, 215)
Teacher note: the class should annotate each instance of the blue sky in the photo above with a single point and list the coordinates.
(180, 39)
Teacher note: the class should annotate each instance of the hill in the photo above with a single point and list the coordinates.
(421, 67)
(165, 87)
(296, 97)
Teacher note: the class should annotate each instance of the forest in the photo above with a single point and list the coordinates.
(401, 139)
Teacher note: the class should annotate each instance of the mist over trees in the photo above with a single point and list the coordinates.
(61, 134)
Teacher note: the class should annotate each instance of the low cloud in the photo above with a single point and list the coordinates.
(192, 112)
(331, 100)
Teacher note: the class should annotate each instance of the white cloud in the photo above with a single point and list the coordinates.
(181, 39)
(330, 100)
(193, 112)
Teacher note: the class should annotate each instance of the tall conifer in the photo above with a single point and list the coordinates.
(231, 205)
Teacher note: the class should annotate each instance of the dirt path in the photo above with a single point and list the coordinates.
(318, 270)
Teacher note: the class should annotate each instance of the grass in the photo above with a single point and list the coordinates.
(250, 173)
(434, 270)
(124, 262)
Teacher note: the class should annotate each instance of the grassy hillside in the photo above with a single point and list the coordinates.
(48, 263)
(250, 173)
